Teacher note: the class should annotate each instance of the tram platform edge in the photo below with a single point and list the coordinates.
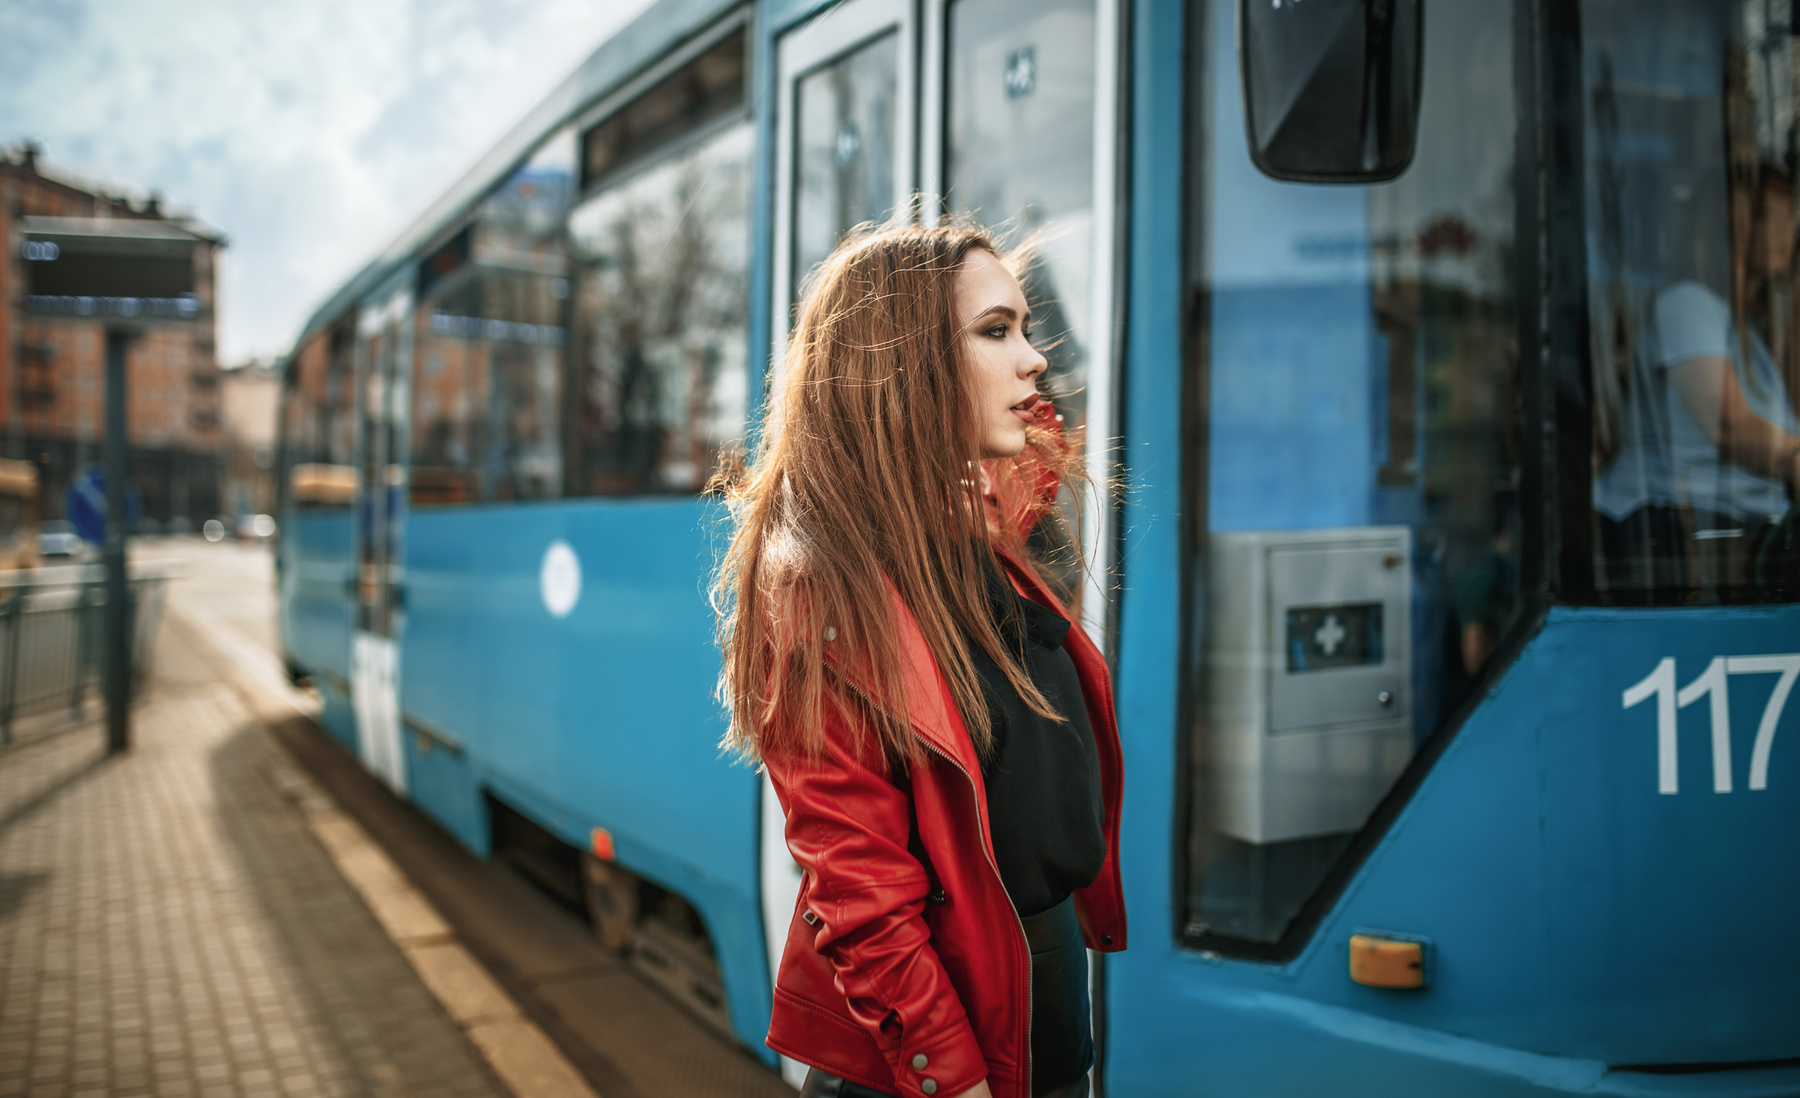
(525, 1059)
(617, 1031)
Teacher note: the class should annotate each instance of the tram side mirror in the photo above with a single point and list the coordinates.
(1331, 87)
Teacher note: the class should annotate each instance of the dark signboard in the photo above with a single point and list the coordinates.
(128, 274)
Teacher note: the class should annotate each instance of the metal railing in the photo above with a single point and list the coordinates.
(50, 622)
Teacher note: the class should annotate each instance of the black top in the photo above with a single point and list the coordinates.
(1043, 776)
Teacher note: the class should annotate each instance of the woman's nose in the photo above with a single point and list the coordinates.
(1035, 364)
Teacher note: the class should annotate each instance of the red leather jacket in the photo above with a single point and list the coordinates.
(906, 967)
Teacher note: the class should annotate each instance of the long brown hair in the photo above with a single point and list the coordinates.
(866, 477)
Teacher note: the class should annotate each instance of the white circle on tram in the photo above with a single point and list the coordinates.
(559, 580)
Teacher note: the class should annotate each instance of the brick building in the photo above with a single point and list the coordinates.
(249, 400)
(63, 243)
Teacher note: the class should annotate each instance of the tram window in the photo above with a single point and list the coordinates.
(703, 91)
(487, 389)
(303, 404)
(1359, 559)
(1019, 156)
(844, 149)
(318, 424)
(1691, 192)
(658, 377)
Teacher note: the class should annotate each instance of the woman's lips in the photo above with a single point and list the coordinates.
(1027, 409)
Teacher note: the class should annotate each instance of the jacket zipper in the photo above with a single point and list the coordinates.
(975, 793)
(1026, 1090)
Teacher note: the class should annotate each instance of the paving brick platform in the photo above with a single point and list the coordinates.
(170, 927)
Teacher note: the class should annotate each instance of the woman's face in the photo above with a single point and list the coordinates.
(1004, 364)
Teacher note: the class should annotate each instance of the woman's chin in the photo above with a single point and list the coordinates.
(1010, 446)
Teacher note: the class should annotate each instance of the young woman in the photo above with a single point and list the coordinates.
(939, 731)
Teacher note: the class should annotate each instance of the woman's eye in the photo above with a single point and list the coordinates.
(998, 331)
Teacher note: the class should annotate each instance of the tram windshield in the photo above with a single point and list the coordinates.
(1358, 558)
(1691, 188)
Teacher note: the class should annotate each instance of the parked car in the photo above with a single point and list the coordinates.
(57, 539)
(256, 529)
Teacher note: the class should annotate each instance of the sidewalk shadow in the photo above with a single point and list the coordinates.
(364, 1011)
(44, 729)
(15, 887)
(49, 793)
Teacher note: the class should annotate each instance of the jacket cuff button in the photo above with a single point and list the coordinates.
(919, 1061)
(929, 1086)
(1106, 939)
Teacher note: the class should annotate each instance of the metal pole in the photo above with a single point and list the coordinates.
(9, 693)
(115, 638)
(78, 683)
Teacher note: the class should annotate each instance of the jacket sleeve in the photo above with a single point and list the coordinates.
(847, 826)
(1023, 489)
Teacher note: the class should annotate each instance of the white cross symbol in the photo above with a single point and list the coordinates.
(1330, 635)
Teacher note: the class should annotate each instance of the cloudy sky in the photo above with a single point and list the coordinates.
(310, 131)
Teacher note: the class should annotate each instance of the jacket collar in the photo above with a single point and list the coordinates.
(929, 705)
(1080, 646)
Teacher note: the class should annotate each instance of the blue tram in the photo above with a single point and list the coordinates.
(1448, 359)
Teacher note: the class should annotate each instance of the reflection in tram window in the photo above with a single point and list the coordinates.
(659, 376)
(1691, 195)
(1019, 156)
(487, 386)
(1359, 560)
(319, 425)
(844, 152)
(383, 345)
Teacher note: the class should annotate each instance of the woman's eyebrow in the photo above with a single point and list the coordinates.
(1005, 310)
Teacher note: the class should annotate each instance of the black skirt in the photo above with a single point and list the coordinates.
(1062, 1043)
(1062, 1039)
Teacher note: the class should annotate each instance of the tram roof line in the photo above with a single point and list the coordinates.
(637, 45)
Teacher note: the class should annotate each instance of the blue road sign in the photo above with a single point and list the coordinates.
(85, 504)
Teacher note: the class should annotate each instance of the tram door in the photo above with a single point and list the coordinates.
(1010, 119)
(384, 352)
